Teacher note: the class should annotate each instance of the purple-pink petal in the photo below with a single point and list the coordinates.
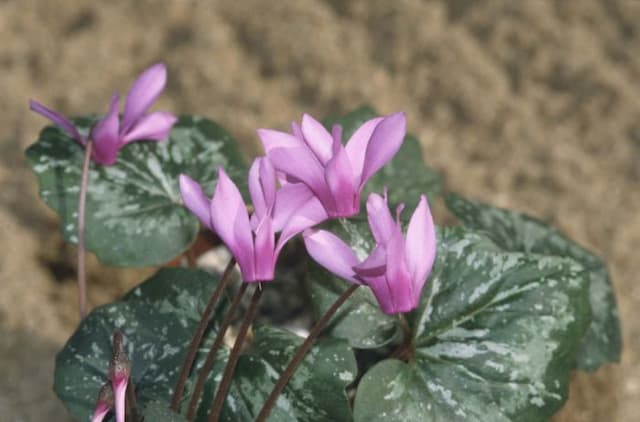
(317, 138)
(420, 244)
(311, 213)
(100, 412)
(300, 163)
(380, 220)
(339, 177)
(105, 135)
(119, 393)
(385, 142)
(144, 91)
(262, 186)
(380, 288)
(403, 297)
(332, 253)
(375, 265)
(357, 147)
(152, 127)
(195, 200)
(265, 259)
(57, 119)
(289, 198)
(272, 139)
(231, 222)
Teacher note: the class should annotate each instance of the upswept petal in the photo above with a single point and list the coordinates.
(231, 222)
(99, 413)
(144, 91)
(420, 244)
(306, 216)
(264, 251)
(105, 135)
(120, 392)
(332, 253)
(152, 127)
(339, 177)
(262, 186)
(402, 296)
(380, 220)
(374, 266)
(297, 131)
(195, 200)
(300, 163)
(357, 146)
(317, 138)
(272, 139)
(336, 134)
(380, 288)
(289, 199)
(256, 192)
(57, 119)
(385, 142)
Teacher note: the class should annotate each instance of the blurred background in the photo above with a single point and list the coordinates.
(532, 105)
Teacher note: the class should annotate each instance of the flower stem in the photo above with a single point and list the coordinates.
(82, 205)
(211, 357)
(221, 395)
(302, 351)
(131, 401)
(197, 336)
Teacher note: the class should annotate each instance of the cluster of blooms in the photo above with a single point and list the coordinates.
(108, 135)
(307, 177)
(320, 178)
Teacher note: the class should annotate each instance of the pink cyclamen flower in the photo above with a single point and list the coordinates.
(104, 403)
(119, 373)
(251, 240)
(398, 266)
(333, 172)
(110, 134)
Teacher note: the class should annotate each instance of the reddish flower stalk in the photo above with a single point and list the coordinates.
(221, 395)
(211, 357)
(302, 351)
(82, 201)
(197, 336)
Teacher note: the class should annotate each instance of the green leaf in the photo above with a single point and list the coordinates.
(160, 412)
(158, 319)
(360, 320)
(316, 392)
(135, 215)
(514, 231)
(494, 339)
(406, 175)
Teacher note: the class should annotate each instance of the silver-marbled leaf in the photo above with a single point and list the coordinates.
(135, 215)
(514, 231)
(494, 338)
(158, 319)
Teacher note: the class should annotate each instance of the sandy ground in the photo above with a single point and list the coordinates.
(533, 105)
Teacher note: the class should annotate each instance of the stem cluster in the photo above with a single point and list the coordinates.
(234, 356)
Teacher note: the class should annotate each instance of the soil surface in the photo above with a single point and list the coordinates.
(530, 105)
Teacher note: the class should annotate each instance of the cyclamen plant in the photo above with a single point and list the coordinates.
(482, 321)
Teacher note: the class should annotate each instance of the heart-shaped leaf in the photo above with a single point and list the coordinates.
(158, 319)
(514, 231)
(134, 210)
(494, 339)
(360, 320)
(406, 175)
